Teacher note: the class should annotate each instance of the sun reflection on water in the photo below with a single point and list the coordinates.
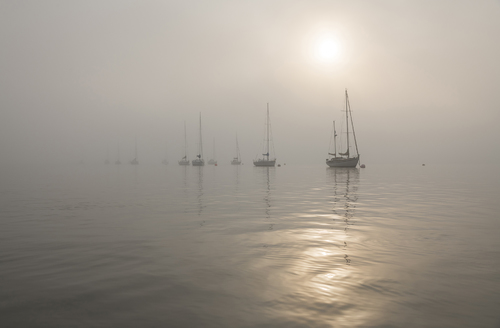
(318, 269)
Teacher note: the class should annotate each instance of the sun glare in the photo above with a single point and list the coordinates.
(327, 50)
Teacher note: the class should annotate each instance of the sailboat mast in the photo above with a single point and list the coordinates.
(185, 141)
(237, 148)
(353, 133)
(201, 145)
(267, 136)
(334, 139)
(347, 119)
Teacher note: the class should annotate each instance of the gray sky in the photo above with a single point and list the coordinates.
(77, 77)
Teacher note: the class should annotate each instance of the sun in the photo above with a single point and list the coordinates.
(327, 49)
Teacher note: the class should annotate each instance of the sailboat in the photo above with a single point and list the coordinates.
(135, 161)
(199, 161)
(265, 160)
(184, 160)
(237, 160)
(344, 159)
(213, 161)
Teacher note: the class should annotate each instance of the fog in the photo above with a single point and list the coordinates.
(80, 77)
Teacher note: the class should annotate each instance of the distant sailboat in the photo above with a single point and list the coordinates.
(344, 159)
(135, 161)
(266, 161)
(237, 160)
(213, 161)
(199, 161)
(184, 160)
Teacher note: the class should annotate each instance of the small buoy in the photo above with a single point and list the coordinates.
(215, 164)
(423, 164)
(279, 165)
(362, 166)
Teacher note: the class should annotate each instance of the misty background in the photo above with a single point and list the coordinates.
(79, 77)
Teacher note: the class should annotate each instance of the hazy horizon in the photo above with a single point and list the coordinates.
(80, 77)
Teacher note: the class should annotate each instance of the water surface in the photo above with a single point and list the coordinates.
(240, 246)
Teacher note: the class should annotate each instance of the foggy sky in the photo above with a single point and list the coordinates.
(79, 77)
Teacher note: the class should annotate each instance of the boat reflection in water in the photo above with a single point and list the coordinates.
(267, 195)
(199, 195)
(344, 200)
(310, 252)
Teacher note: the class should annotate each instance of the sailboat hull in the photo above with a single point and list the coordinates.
(183, 162)
(198, 162)
(343, 162)
(235, 162)
(263, 162)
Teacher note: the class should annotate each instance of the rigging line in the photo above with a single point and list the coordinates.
(271, 139)
(353, 133)
(331, 134)
(342, 134)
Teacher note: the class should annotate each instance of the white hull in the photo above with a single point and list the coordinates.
(212, 162)
(235, 162)
(184, 162)
(263, 162)
(198, 162)
(343, 162)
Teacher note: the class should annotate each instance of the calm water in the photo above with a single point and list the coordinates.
(228, 246)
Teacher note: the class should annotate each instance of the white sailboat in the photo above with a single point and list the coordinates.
(266, 160)
(213, 161)
(344, 159)
(199, 161)
(237, 160)
(184, 160)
